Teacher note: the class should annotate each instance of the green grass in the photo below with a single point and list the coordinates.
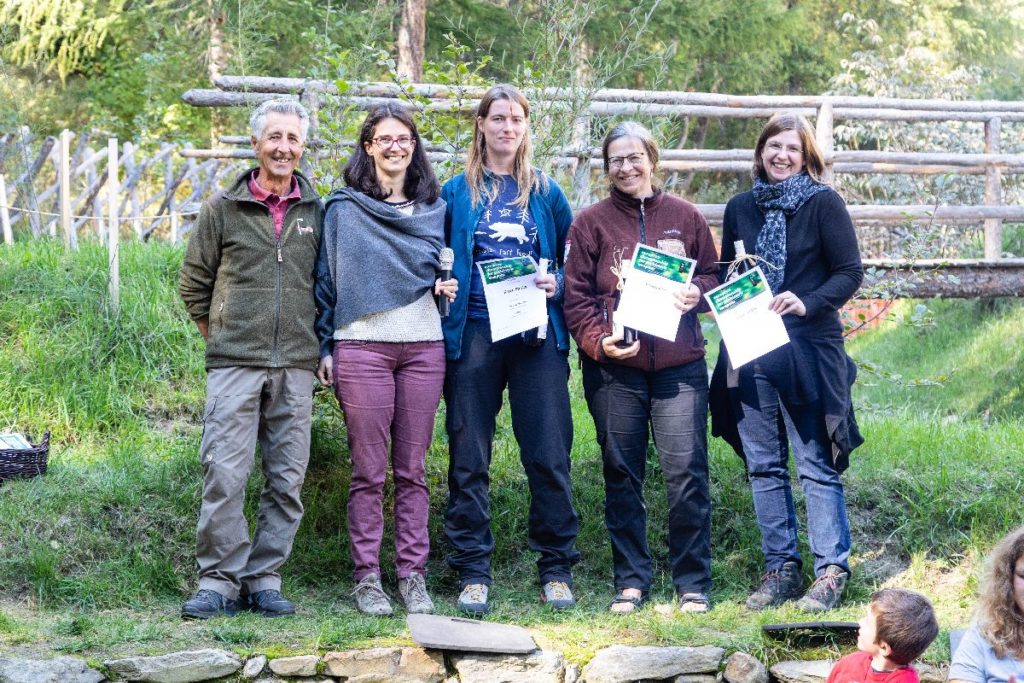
(96, 556)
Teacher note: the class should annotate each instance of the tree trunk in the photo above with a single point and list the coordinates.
(216, 57)
(412, 33)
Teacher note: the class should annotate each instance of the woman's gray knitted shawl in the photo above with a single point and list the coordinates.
(379, 258)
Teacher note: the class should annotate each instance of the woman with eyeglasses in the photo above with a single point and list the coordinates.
(381, 343)
(798, 395)
(501, 206)
(645, 380)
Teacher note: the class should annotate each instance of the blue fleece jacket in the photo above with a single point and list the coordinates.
(549, 208)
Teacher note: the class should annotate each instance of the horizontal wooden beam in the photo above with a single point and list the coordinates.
(975, 278)
(276, 85)
(207, 97)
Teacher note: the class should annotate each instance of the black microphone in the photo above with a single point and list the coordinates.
(446, 259)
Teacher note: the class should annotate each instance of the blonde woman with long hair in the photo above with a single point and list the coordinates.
(992, 650)
(499, 207)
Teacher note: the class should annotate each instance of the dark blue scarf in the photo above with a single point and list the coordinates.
(779, 200)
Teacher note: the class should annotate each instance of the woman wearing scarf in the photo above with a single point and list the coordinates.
(798, 395)
(381, 344)
(650, 381)
(501, 206)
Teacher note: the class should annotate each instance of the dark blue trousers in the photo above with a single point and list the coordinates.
(674, 401)
(538, 394)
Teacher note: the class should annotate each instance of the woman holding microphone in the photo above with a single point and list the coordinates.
(381, 343)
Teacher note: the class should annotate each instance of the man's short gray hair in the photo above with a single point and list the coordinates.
(258, 119)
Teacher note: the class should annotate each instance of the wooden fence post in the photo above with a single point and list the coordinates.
(171, 203)
(581, 172)
(133, 192)
(65, 190)
(993, 192)
(5, 215)
(824, 137)
(112, 227)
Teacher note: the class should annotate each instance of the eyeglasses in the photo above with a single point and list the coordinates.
(616, 163)
(790, 149)
(386, 141)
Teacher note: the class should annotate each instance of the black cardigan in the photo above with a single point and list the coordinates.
(823, 268)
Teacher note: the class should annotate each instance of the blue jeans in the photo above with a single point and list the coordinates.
(674, 401)
(538, 394)
(767, 429)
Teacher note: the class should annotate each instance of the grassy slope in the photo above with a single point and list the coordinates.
(96, 556)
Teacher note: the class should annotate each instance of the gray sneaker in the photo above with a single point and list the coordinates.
(473, 598)
(413, 590)
(826, 591)
(557, 595)
(777, 587)
(371, 598)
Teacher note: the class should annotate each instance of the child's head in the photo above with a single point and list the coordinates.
(899, 623)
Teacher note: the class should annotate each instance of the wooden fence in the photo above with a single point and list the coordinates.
(990, 275)
(61, 185)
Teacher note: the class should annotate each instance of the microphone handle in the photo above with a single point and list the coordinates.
(443, 304)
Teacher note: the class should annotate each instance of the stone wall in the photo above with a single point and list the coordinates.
(616, 664)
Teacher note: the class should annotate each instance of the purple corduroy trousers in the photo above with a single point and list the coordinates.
(389, 393)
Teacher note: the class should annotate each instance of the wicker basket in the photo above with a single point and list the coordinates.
(24, 462)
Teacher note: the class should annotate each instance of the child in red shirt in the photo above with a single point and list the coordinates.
(898, 626)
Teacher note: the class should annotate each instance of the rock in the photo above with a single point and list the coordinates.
(802, 672)
(695, 678)
(422, 665)
(179, 667)
(303, 665)
(539, 667)
(572, 673)
(620, 663)
(744, 668)
(59, 670)
(254, 666)
(356, 663)
(387, 665)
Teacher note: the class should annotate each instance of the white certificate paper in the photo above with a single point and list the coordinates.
(648, 301)
(514, 301)
(748, 328)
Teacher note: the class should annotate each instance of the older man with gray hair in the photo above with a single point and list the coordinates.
(247, 283)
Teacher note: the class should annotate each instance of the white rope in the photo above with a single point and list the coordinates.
(104, 218)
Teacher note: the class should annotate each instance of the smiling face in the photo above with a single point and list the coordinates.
(782, 156)
(503, 128)
(630, 168)
(391, 160)
(279, 147)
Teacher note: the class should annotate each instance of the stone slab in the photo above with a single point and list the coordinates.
(468, 635)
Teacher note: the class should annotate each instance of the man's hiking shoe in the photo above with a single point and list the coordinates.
(826, 591)
(777, 586)
(270, 603)
(694, 603)
(208, 603)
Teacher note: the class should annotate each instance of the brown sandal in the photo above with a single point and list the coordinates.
(637, 601)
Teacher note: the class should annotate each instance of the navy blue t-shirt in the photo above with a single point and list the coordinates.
(503, 231)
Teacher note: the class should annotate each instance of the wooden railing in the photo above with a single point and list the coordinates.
(991, 275)
(61, 184)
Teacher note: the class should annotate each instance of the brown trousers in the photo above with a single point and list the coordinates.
(244, 404)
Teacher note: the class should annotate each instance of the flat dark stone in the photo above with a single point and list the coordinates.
(455, 633)
(811, 628)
